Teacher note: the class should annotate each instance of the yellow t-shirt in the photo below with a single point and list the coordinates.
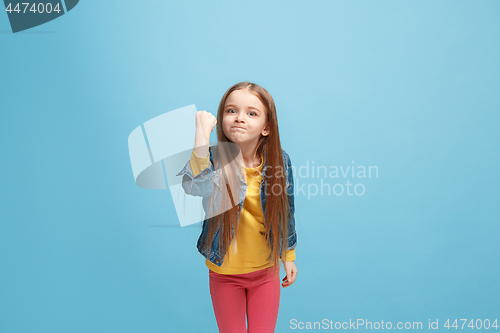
(249, 251)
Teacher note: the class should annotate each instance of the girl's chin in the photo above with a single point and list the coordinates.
(236, 138)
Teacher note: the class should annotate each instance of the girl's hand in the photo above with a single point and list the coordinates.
(205, 121)
(291, 273)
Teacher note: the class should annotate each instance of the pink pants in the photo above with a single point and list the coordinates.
(253, 294)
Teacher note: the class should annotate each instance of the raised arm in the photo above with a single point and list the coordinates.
(198, 172)
(205, 123)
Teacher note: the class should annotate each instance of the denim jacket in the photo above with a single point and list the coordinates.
(202, 186)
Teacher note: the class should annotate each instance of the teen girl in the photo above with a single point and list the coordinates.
(246, 182)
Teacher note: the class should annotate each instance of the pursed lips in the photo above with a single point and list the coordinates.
(238, 127)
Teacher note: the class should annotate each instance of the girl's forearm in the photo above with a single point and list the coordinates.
(201, 143)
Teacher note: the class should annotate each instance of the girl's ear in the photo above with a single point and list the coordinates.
(265, 131)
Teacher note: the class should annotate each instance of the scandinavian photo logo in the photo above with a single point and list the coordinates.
(305, 177)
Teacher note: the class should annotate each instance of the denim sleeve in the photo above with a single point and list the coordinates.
(202, 184)
(292, 235)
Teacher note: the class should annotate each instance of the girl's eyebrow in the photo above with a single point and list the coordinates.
(250, 107)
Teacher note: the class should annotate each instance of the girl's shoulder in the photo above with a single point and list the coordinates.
(286, 157)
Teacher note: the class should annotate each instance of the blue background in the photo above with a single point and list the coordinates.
(408, 86)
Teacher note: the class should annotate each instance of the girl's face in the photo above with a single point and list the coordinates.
(244, 118)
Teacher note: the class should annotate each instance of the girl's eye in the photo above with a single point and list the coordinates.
(251, 112)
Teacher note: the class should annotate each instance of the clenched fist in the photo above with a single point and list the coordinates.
(205, 121)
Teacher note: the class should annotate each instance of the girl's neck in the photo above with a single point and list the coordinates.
(251, 159)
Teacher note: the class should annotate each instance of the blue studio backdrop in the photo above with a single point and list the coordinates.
(405, 90)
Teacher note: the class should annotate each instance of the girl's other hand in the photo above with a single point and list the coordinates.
(291, 273)
(205, 121)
